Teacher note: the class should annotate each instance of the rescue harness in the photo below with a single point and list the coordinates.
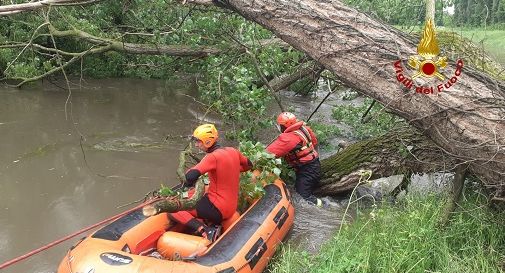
(303, 149)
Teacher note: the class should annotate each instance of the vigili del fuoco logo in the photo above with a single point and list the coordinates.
(428, 64)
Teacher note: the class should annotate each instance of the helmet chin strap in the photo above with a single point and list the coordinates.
(212, 148)
(280, 128)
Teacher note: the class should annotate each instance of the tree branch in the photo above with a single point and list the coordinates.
(264, 79)
(284, 81)
(176, 203)
(17, 8)
(63, 66)
(147, 49)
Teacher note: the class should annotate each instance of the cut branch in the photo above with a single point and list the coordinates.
(182, 162)
(176, 203)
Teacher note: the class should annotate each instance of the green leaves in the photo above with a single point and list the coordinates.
(263, 161)
(406, 12)
(166, 191)
(325, 132)
(379, 123)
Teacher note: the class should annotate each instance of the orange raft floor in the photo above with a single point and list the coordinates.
(136, 244)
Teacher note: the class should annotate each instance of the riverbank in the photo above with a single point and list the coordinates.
(407, 237)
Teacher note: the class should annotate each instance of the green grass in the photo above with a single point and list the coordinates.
(407, 238)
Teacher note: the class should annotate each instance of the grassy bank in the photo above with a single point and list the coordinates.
(407, 238)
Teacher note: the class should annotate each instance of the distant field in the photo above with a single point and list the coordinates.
(493, 41)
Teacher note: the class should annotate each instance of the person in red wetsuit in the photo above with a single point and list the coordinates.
(297, 143)
(223, 165)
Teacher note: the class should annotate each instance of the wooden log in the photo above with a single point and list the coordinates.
(401, 151)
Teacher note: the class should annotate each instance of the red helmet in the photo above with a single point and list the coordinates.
(286, 119)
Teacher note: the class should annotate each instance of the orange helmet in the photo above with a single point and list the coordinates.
(207, 134)
(286, 119)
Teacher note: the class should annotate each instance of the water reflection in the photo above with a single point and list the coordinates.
(50, 188)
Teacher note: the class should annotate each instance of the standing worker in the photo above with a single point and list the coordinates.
(297, 143)
(223, 165)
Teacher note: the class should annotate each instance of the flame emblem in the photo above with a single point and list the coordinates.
(427, 62)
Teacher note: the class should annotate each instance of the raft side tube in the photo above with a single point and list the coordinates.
(225, 249)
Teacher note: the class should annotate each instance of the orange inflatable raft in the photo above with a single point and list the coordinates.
(136, 244)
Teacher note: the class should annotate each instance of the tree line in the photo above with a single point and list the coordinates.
(466, 13)
(479, 12)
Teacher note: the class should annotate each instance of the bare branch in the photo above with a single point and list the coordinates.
(199, 2)
(286, 80)
(17, 8)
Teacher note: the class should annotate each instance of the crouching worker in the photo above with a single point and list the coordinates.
(297, 144)
(223, 165)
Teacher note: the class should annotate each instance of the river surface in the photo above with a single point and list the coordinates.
(65, 166)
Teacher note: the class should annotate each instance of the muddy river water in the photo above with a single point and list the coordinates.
(65, 166)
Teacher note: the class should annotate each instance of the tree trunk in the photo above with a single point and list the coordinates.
(458, 12)
(466, 121)
(494, 12)
(401, 151)
(430, 10)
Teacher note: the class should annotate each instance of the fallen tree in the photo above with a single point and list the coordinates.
(466, 122)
